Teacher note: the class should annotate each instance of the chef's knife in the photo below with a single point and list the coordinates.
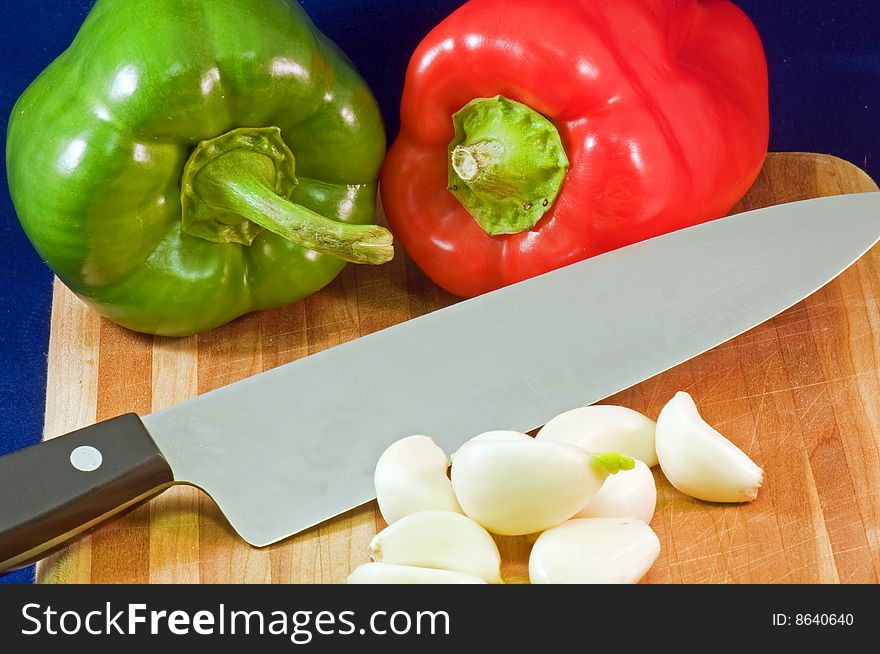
(294, 446)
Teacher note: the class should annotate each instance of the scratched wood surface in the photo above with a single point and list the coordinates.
(800, 393)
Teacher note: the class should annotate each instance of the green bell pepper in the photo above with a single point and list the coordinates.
(188, 161)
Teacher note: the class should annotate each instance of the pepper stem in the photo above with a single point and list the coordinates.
(470, 162)
(239, 184)
(507, 164)
(251, 198)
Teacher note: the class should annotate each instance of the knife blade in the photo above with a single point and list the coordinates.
(294, 446)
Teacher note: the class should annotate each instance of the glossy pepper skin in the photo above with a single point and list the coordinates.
(661, 107)
(142, 158)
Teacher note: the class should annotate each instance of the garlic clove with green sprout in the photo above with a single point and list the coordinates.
(442, 540)
(602, 428)
(517, 487)
(594, 551)
(389, 573)
(699, 461)
(411, 476)
(628, 494)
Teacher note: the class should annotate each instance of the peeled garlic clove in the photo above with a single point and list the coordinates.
(502, 435)
(411, 476)
(699, 461)
(439, 539)
(497, 435)
(628, 494)
(605, 429)
(594, 551)
(388, 573)
(516, 487)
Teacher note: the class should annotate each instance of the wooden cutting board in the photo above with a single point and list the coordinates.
(800, 394)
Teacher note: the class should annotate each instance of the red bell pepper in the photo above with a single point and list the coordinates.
(539, 133)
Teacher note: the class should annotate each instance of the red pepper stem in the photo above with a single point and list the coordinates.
(470, 162)
(507, 164)
(237, 185)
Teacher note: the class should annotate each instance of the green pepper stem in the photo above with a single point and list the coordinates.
(238, 184)
(367, 244)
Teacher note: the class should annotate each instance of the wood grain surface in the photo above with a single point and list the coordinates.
(800, 394)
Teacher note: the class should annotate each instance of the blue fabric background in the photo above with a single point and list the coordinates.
(824, 60)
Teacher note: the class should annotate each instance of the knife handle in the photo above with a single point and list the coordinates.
(53, 492)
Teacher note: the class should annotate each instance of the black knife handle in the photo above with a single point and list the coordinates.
(53, 492)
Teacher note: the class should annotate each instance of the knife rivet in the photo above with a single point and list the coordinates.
(86, 458)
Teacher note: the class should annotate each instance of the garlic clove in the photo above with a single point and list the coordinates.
(594, 551)
(439, 539)
(602, 428)
(628, 494)
(699, 461)
(388, 573)
(497, 435)
(516, 487)
(411, 476)
(502, 435)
